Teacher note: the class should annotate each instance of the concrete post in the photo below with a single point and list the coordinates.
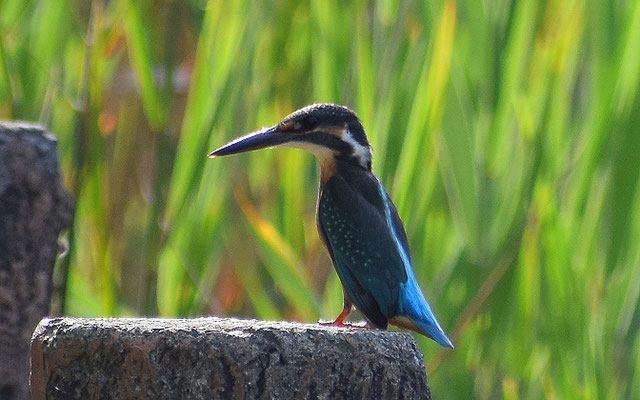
(217, 358)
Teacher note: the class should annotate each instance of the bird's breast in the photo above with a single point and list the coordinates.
(328, 168)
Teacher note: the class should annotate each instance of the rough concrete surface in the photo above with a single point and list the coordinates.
(218, 358)
(34, 209)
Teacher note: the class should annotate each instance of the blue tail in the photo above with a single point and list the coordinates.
(413, 305)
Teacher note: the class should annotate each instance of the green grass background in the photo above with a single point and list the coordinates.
(507, 132)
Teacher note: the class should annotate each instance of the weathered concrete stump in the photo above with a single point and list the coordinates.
(216, 358)
(34, 209)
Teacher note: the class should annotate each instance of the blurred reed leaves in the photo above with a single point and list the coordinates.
(507, 132)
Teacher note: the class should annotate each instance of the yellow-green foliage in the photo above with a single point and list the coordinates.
(507, 132)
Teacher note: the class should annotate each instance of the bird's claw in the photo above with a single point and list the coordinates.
(360, 324)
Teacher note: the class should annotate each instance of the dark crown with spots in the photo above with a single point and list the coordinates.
(317, 116)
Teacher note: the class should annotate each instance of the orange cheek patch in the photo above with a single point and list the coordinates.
(286, 126)
(336, 131)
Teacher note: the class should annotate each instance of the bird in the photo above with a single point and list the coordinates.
(356, 219)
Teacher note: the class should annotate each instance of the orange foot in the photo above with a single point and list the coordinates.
(346, 324)
(340, 321)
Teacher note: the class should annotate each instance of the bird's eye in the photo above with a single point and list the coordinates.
(311, 122)
(297, 126)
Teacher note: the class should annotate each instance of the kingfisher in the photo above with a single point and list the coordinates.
(356, 219)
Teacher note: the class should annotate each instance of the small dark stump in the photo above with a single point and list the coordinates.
(34, 209)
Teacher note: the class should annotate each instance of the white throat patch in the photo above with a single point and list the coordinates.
(362, 153)
(322, 153)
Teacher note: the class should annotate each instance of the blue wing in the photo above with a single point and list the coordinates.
(350, 226)
(369, 249)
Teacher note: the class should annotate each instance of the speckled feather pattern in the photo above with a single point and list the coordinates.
(356, 219)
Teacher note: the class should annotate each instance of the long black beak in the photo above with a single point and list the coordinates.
(265, 137)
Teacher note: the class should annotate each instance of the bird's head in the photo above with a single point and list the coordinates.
(326, 130)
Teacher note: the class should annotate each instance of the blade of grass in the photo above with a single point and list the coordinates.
(426, 112)
(207, 81)
(286, 269)
(138, 46)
